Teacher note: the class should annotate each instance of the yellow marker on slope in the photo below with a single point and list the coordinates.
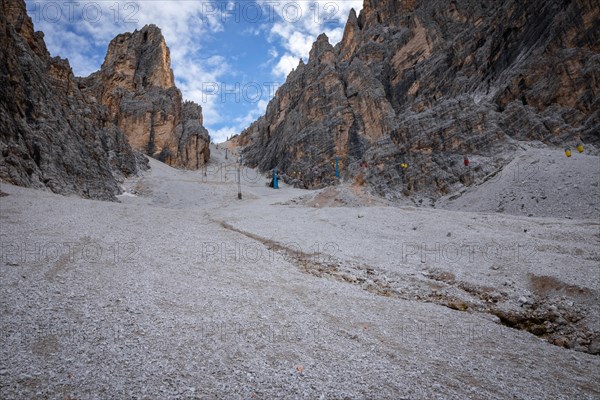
(580, 147)
(568, 152)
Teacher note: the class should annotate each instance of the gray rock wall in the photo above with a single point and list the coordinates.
(429, 82)
(50, 136)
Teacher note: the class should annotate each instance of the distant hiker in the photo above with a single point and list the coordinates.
(466, 162)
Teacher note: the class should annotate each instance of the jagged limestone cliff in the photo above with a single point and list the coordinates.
(426, 83)
(85, 135)
(137, 86)
(50, 136)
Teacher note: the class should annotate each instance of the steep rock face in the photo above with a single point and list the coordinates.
(136, 85)
(49, 135)
(429, 82)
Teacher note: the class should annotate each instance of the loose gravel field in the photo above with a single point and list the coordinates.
(182, 291)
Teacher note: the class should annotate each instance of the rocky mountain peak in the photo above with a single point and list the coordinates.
(51, 135)
(16, 16)
(322, 51)
(416, 85)
(140, 59)
(85, 135)
(376, 13)
(137, 86)
(347, 46)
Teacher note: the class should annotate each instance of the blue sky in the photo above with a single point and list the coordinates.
(228, 56)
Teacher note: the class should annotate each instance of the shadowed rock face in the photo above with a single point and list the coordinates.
(80, 135)
(50, 136)
(136, 85)
(429, 82)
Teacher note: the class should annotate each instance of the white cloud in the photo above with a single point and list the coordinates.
(258, 110)
(239, 124)
(252, 31)
(301, 22)
(201, 83)
(286, 63)
(222, 134)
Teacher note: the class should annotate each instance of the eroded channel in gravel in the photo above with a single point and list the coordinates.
(551, 313)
